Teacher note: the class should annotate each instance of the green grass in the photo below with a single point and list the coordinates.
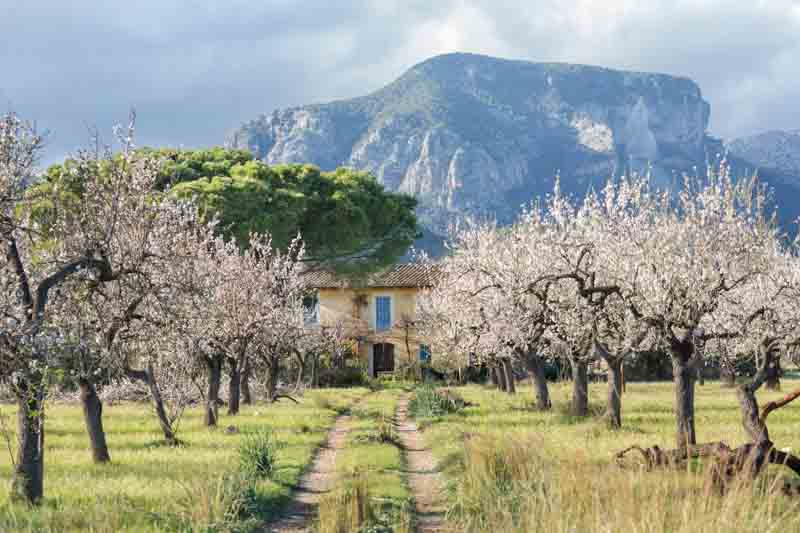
(550, 454)
(372, 461)
(149, 486)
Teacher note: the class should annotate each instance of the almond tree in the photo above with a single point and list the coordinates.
(240, 299)
(109, 322)
(675, 266)
(43, 252)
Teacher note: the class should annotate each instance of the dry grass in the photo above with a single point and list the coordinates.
(513, 469)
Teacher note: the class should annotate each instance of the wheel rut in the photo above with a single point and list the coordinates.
(318, 480)
(424, 478)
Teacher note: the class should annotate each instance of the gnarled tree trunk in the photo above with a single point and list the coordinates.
(727, 376)
(501, 377)
(314, 380)
(580, 387)
(214, 367)
(773, 381)
(148, 377)
(247, 397)
(508, 371)
(93, 418)
(234, 386)
(536, 367)
(272, 379)
(28, 481)
(684, 373)
(301, 370)
(614, 404)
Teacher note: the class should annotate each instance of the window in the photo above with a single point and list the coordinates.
(311, 309)
(424, 353)
(383, 312)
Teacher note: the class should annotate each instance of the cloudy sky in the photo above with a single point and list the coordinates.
(194, 69)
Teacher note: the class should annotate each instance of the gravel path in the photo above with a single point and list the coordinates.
(321, 478)
(423, 476)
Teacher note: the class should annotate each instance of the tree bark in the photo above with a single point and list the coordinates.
(727, 376)
(93, 417)
(272, 380)
(28, 481)
(493, 376)
(315, 371)
(508, 371)
(501, 377)
(247, 397)
(773, 381)
(580, 387)
(214, 367)
(234, 387)
(148, 377)
(301, 370)
(614, 405)
(684, 377)
(536, 367)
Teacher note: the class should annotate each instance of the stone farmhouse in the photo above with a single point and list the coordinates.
(377, 312)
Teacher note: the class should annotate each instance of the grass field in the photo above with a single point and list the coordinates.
(151, 487)
(510, 468)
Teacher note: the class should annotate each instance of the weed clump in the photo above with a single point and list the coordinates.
(428, 402)
(258, 455)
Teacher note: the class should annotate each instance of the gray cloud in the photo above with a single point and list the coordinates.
(196, 68)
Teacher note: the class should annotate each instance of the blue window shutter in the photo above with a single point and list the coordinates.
(383, 312)
(424, 353)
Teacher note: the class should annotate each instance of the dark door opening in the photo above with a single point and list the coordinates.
(382, 358)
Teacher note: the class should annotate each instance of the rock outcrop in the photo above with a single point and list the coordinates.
(776, 150)
(469, 134)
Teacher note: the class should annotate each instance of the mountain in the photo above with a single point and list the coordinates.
(775, 156)
(775, 150)
(475, 135)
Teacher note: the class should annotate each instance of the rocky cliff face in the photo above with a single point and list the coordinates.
(775, 150)
(475, 135)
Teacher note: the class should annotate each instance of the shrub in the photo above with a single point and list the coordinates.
(428, 401)
(348, 376)
(257, 455)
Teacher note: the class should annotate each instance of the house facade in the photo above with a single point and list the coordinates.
(378, 313)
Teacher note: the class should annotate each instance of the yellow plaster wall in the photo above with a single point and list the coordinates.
(340, 305)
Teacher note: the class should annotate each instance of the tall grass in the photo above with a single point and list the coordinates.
(507, 485)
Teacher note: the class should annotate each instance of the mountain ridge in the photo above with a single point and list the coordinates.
(473, 135)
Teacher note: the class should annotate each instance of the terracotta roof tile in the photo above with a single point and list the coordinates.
(404, 275)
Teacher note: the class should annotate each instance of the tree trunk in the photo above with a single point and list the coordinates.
(28, 481)
(684, 376)
(314, 381)
(214, 366)
(493, 376)
(536, 367)
(614, 405)
(727, 376)
(148, 377)
(580, 387)
(701, 378)
(247, 397)
(93, 417)
(301, 370)
(272, 381)
(508, 371)
(234, 387)
(773, 381)
(501, 377)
